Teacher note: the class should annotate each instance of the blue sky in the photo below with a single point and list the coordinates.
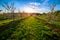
(32, 5)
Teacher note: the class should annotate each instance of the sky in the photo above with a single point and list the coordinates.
(32, 5)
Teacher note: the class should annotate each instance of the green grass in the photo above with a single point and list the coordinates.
(55, 24)
(9, 30)
(2, 22)
(30, 28)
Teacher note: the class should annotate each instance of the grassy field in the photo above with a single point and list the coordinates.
(31, 28)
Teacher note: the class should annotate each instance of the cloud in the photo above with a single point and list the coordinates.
(45, 2)
(35, 3)
(36, 9)
(43, 9)
(39, 7)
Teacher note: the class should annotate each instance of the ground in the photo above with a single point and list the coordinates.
(29, 28)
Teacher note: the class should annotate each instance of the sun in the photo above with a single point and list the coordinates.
(29, 10)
